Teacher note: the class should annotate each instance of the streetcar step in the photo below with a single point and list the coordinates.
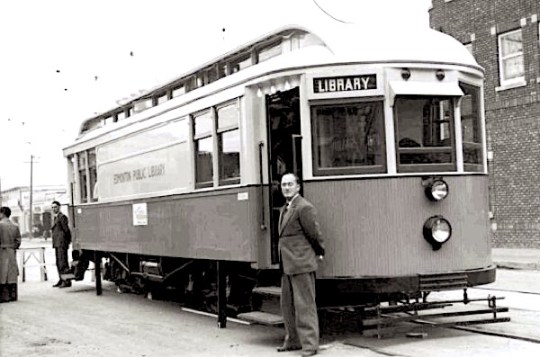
(263, 318)
(268, 290)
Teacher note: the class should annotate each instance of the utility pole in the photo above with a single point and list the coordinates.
(31, 233)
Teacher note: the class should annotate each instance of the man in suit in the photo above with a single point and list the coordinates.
(300, 248)
(61, 238)
(10, 241)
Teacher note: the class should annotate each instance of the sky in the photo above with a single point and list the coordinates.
(64, 61)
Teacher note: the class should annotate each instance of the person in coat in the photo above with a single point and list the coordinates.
(300, 249)
(61, 238)
(10, 241)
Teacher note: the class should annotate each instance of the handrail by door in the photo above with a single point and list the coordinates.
(294, 138)
(261, 177)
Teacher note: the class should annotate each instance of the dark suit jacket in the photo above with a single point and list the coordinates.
(61, 235)
(300, 237)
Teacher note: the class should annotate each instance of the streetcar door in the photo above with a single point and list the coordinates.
(285, 151)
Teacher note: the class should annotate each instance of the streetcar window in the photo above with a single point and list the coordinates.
(348, 138)
(83, 178)
(241, 63)
(471, 128)
(229, 159)
(204, 172)
(424, 133)
(269, 51)
(178, 91)
(229, 144)
(203, 124)
(92, 171)
(204, 149)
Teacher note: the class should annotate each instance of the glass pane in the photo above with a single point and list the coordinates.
(422, 126)
(228, 116)
(349, 135)
(162, 99)
(82, 160)
(513, 67)
(93, 181)
(82, 183)
(470, 125)
(203, 161)
(230, 155)
(511, 43)
(92, 157)
(203, 124)
(269, 52)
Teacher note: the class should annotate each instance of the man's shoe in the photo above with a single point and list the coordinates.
(65, 284)
(57, 285)
(288, 348)
(309, 353)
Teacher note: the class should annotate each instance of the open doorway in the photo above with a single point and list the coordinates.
(285, 155)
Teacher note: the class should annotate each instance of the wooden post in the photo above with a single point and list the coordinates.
(222, 294)
(43, 266)
(97, 271)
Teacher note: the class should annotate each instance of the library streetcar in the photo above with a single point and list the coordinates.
(179, 188)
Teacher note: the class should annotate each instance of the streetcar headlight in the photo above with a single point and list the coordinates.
(437, 190)
(437, 231)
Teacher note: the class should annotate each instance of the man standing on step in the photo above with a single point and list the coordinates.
(61, 238)
(300, 248)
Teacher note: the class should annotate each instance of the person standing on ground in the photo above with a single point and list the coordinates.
(61, 238)
(300, 248)
(10, 241)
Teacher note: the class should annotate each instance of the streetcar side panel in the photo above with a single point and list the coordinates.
(213, 225)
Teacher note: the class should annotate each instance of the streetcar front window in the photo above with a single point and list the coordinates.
(348, 138)
(471, 128)
(424, 134)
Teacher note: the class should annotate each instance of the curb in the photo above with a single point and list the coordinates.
(517, 266)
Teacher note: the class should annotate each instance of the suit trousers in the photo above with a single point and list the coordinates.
(299, 311)
(62, 263)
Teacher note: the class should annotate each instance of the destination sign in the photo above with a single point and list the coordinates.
(344, 83)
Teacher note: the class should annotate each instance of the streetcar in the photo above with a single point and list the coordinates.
(178, 189)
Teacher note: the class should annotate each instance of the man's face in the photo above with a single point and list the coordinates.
(55, 208)
(289, 186)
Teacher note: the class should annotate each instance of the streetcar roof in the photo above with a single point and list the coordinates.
(342, 43)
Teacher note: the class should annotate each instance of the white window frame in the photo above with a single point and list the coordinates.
(513, 82)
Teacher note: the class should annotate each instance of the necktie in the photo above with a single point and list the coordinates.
(283, 214)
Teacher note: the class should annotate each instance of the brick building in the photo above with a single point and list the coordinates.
(503, 36)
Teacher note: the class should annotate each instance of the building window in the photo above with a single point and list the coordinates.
(424, 134)
(471, 128)
(511, 66)
(204, 149)
(348, 138)
(228, 144)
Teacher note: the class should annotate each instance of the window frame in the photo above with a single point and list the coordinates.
(217, 144)
(425, 167)
(350, 170)
(203, 136)
(219, 135)
(477, 126)
(501, 60)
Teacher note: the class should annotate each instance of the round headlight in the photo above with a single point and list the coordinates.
(437, 230)
(437, 190)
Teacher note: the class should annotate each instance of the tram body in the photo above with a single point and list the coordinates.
(376, 128)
